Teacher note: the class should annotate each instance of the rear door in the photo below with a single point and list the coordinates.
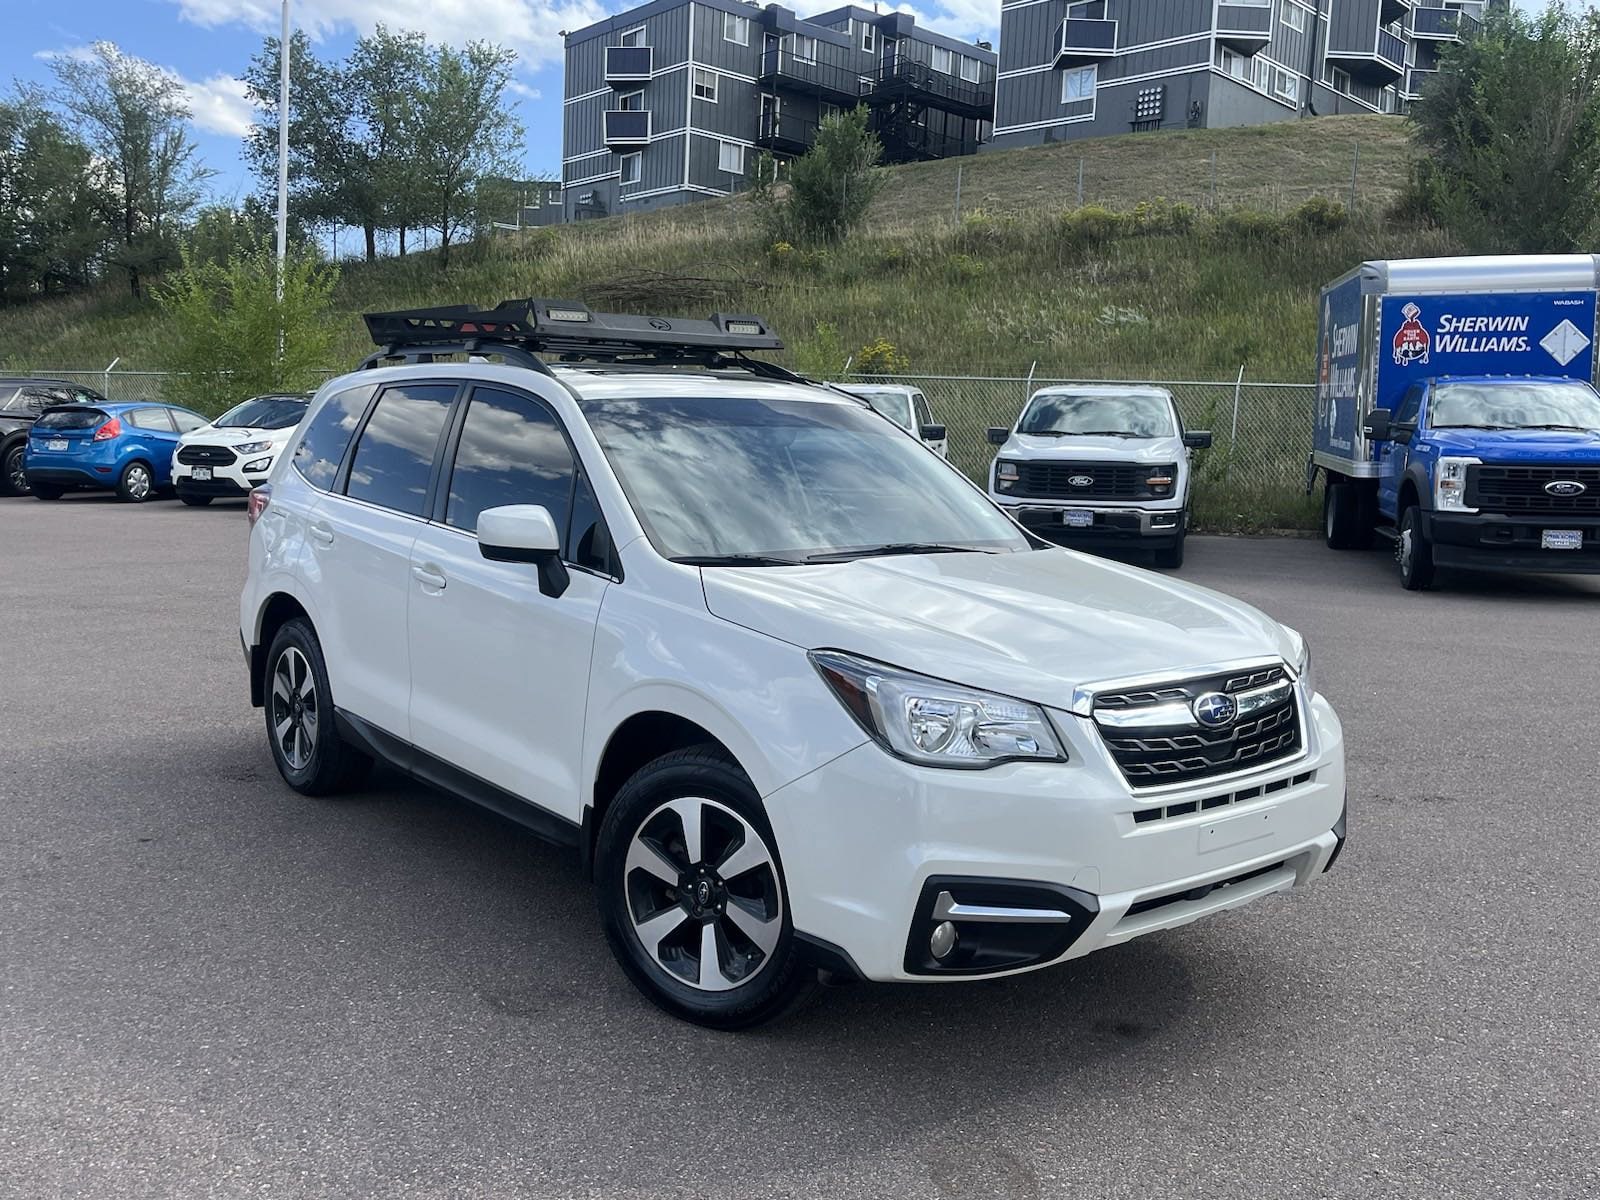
(361, 535)
(499, 670)
(151, 434)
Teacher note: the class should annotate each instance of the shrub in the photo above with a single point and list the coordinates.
(1159, 216)
(879, 357)
(1092, 225)
(963, 268)
(1249, 225)
(831, 186)
(820, 356)
(1320, 215)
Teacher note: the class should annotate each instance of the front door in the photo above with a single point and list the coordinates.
(499, 670)
(1393, 454)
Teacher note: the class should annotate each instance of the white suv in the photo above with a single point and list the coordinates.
(798, 693)
(234, 453)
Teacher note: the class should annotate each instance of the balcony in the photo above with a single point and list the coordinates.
(627, 66)
(1441, 24)
(906, 80)
(1246, 28)
(1392, 10)
(783, 69)
(626, 129)
(903, 143)
(1378, 62)
(1088, 39)
(1416, 79)
(784, 134)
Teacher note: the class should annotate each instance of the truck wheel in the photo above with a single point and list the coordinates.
(1346, 517)
(1414, 552)
(1171, 557)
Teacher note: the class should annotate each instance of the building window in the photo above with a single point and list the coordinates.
(1339, 80)
(826, 110)
(1262, 73)
(705, 85)
(1079, 84)
(1293, 16)
(736, 29)
(942, 60)
(730, 158)
(1235, 65)
(869, 37)
(1386, 100)
(632, 102)
(632, 166)
(971, 69)
(803, 48)
(1286, 84)
(633, 37)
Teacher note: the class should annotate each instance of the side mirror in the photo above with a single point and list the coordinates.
(1198, 439)
(933, 433)
(524, 533)
(1376, 426)
(999, 435)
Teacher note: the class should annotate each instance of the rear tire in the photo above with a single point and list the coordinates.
(1414, 552)
(13, 475)
(136, 484)
(44, 491)
(1346, 515)
(301, 732)
(686, 866)
(1171, 557)
(196, 501)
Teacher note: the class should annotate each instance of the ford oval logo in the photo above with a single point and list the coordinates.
(1214, 710)
(1566, 487)
(1080, 480)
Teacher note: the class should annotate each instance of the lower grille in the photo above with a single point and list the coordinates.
(207, 456)
(1522, 489)
(1092, 480)
(1157, 740)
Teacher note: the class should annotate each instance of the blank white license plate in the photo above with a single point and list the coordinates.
(202, 474)
(56, 444)
(1077, 518)
(1561, 539)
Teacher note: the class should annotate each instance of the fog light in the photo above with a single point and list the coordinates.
(943, 940)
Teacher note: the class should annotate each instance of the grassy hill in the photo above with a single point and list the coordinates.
(1188, 263)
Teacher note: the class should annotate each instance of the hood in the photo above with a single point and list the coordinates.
(1034, 625)
(234, 436)
(1023, 447)
(1530, 446)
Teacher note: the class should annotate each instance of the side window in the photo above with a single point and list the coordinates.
(511, 452)
(393, 457)
(588, 539)
(187, 421)
(327, 437)
(34, 401)
(10, 400)
(1410, 406)
(919, 404)
(155, 419)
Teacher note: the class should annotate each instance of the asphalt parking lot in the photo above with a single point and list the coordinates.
(210, 986)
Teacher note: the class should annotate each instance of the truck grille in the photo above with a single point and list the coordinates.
(207, 456)
(1154, 753)
(1522, 489)
(1106, 480)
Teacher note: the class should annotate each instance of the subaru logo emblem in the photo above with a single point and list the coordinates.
(1214, 710)
(1080, 480)
(1565, 487)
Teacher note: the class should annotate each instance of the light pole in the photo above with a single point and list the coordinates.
(283, 153)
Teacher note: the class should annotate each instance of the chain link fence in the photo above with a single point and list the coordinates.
(1252, 478)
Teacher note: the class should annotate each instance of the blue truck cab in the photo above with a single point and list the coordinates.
(1456, 415)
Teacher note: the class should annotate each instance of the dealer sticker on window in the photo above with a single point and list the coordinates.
(1561, 539)
(1077, 518)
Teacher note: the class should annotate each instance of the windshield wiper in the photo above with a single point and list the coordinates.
(1474, 426)
(736, 560)
(1044, 433)
(892, 548)
(1108, 433)
(1574, 428)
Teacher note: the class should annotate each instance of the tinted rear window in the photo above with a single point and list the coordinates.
(71, 418)
(325, 440)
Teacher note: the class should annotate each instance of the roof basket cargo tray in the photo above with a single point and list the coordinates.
(520, 330)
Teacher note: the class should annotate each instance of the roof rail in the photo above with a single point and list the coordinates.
(521, 330)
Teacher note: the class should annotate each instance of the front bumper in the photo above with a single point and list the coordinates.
(897, 836)
(1498, 542)
(227, 482)
(1112, 523)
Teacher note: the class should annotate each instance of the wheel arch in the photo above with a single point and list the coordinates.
(276, 611)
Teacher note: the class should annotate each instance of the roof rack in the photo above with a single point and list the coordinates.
(521, 330)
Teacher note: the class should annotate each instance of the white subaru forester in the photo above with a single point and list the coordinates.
(800, 695)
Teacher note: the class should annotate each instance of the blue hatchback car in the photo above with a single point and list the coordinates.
(126, 448)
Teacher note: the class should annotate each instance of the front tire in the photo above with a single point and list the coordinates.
(1414, 552)
(311, 756)
(1171, 557)
(136, 484)
(13, 473)
(692, 897)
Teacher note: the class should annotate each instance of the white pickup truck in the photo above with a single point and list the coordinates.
(1099, 465)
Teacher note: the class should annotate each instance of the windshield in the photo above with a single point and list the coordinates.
(894, 405)
(787, 480)
(1132, 415)
(1529, 405)
(264, 412)
(71, 418)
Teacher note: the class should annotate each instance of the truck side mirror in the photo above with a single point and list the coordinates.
(1376, 426)
(933, 433)
(1198, 439)
(999, 435)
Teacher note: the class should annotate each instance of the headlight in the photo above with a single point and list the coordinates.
(252, 448)
(1302, 663)
(933, 723)
(1005, 476)
(1450, 484)
(260, 464)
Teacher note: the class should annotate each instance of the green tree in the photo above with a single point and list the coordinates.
(229, 335)
(221, 232)
(462, 136)
(1511, 123)
(52, 207)
(133, 116)
(831, 186)
(382, 165)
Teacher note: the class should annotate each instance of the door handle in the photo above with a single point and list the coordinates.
(322, 533)
(429, 576)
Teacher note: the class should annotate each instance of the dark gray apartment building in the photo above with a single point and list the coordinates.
(1088, 68)
(672, 101)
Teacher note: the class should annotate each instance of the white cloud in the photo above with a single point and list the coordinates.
(953, 18)
(220, 105)
(518, 88)
(530, 27)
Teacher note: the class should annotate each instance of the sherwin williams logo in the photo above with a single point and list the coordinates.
(1565, 487)
(1411, 341)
